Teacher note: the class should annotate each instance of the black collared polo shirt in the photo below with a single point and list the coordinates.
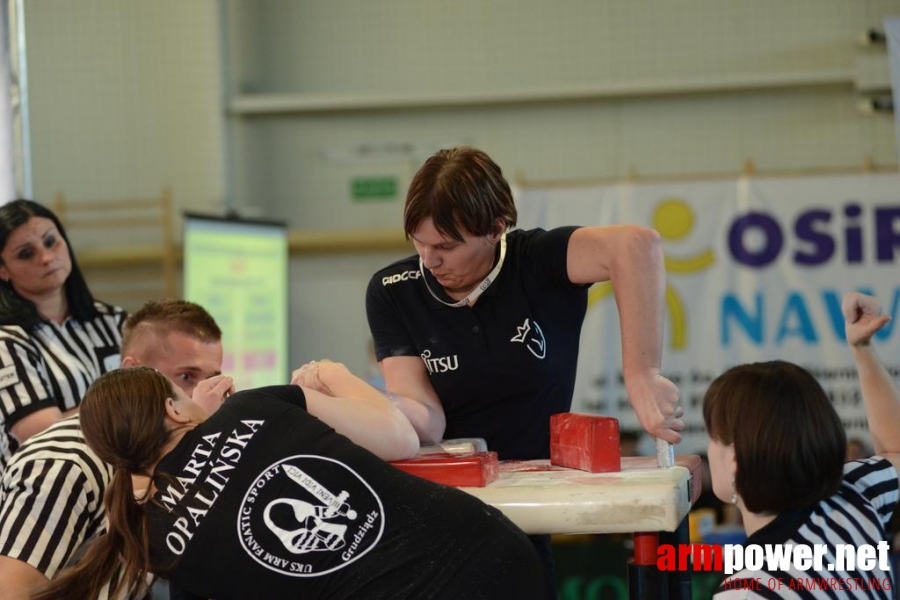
(502, 366)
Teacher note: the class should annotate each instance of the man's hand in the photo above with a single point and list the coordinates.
(211, 393)
(862, 318)
(655, 400)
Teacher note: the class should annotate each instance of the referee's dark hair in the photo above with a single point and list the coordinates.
(162, 317)
(789, 443)
(460, 189)
(16, 310)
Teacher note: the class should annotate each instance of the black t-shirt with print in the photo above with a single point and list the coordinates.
(264, 500)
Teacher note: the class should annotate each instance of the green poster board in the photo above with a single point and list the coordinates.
(237, 269)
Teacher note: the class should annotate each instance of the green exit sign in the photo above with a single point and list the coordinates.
(373, 188)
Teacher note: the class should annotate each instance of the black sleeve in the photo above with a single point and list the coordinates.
(386, 325)
(290, 394)
(546, 253)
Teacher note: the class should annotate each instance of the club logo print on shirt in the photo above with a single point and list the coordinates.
(307, 516)
(533, 339)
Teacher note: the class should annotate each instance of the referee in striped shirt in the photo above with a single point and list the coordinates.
(55, 340)
(51, 495)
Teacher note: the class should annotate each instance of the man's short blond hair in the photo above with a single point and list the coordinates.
(162, 317)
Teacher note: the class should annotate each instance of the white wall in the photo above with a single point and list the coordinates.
(751, 63)
(407, 48)
(126, 98)
(328, 316)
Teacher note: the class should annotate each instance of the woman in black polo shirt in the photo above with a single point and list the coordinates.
(477, 334)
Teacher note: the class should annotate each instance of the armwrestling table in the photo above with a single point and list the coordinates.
(651, 502)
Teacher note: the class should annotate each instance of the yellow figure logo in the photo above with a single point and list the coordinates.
(674, 220)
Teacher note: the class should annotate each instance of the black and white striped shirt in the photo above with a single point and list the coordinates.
(53, 365)
(51, 500)
(857, 514)
(51, 497)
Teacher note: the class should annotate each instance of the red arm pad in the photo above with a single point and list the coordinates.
(585, 442)
(474, 469)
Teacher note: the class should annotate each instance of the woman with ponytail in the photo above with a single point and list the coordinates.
(130, 436)
(263, 500)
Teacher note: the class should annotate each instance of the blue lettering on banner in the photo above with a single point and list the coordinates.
(816, 240)
(795, 320)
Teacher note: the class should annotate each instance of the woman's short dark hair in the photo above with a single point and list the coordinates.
(789, 443)
(460, 189)
(16, 310)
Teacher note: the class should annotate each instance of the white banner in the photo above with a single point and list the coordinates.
(756, 271)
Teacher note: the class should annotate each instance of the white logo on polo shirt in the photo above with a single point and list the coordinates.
(441, 364)
(533, 340)
(404, 276)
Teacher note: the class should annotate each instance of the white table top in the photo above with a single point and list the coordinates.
(544, 499)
